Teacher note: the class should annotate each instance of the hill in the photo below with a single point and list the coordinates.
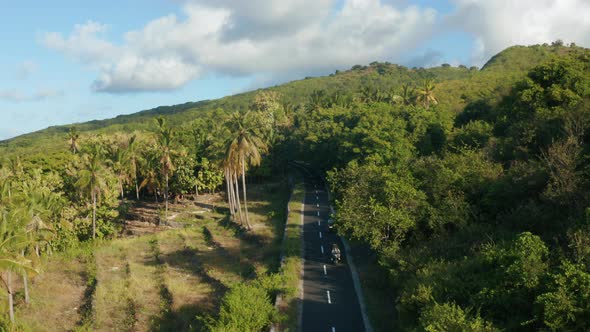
(457, 86)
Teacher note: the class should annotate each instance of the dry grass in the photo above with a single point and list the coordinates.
(57, 294)
(110, 299)
(196, 268)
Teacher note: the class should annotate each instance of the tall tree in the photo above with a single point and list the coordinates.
(119, 163)
(243, 149)
(73, 137)
(407, 94)
(133, 161)
(34, 208)
(92, 180)
(425, 94)
(165, 146)
(12, 241)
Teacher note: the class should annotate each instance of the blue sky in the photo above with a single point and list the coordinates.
(73, 61)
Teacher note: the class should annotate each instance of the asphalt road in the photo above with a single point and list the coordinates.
(329, 300)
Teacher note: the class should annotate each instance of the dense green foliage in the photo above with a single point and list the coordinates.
(471, 186)
(247, 306)
(480, 221)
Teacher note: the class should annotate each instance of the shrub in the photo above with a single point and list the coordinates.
(246, 307)
(449, 317)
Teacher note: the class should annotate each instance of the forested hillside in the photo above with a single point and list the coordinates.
(469, 187)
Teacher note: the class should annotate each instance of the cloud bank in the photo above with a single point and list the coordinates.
(292, 38)
(234, 37)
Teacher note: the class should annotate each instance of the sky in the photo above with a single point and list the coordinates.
(66, 61)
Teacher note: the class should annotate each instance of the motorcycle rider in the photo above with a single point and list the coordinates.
(335, 253)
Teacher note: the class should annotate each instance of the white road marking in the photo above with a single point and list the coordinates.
(317, 197)
(318, 223)
(329, 299)
(317, 205)
(333, 329)
(320, 235)
(322, 247)
(325, 272)
(316, 192)
(318, 213)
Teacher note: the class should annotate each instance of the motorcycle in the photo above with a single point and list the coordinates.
(336, 258)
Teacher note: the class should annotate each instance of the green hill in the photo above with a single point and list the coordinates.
(456, 87)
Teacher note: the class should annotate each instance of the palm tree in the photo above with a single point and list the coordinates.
(119, 164)
(165, 145)
(12, 241)
(243, 150)
(407, 94)
(425, 93)
(133, 159)
(34, 206)
(151, 173)
(73, 137)
(92, 181)
(9, 174)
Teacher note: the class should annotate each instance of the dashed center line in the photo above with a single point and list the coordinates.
(329, 299)
(320, 235)
(333, 329)
(325, 271)
(318, 213)
(318, 223)
(317, 205)
(322, 248)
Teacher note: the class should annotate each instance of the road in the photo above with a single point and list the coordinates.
(329, 300)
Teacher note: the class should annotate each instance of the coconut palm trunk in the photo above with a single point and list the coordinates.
(244, 190)
(25, 282)
(237, 196)
(230, 198)
(136, 189)
(166, 194)
(121, 187)
(26, 286)
(10, 296)
(93, 214)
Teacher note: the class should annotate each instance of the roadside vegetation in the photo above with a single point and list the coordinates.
(467, 188)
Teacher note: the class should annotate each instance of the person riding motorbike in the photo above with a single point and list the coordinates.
(335, 253)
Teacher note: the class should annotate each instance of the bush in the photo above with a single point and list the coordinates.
(246, 307)
(449, 317)
(566, 307)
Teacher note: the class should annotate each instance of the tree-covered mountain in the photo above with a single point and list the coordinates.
(456, 87)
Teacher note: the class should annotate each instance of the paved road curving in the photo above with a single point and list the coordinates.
(329, 299)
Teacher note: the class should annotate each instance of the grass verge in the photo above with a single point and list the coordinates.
(291, 269)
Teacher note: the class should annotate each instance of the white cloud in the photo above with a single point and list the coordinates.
(234, 37)
(40, 94)
(84, 44)
(25, 69)
(502, 23)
